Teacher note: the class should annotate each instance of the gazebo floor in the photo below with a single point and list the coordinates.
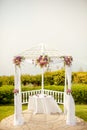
(42, 122)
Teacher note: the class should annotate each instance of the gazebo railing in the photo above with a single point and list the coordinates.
(58, 95)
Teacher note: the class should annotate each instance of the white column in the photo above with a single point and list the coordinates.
(68, 75)
(69, 101)
(18, 118)
(65, 87)
(42, 83)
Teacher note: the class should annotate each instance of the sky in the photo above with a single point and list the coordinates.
(60, 24)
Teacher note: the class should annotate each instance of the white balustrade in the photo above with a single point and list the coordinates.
(58, 95)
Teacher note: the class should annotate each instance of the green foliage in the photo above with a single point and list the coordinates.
(25, 79)
(6, 94)
(10, 80)
(30, 87)
(0, 83)
(59, 79)
(79, 77)
(79, 92)
(55, 78)
(7, 80)
(55, 88)
(36, 80)
(50, 78)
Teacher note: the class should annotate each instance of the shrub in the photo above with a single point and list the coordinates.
(0, 83)
(7, 80)
(55, 78)
(25, 79)
(48, 78)
(6, 94)
(79, 77)
(79, 92)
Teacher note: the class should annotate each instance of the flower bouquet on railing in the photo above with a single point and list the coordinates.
(68, 91)
(43, 61)
(16, 91)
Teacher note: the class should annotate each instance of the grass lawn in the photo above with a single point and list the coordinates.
(81, 111)
(6, 110)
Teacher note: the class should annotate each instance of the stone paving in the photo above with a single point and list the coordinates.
(42, 122)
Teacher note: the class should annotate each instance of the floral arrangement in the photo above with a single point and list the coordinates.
(18, 59)
(68, 60)
(43, 61)
(16, 91)
(68, 91)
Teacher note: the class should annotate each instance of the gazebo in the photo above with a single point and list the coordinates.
(41, 56)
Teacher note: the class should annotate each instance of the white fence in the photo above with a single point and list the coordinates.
(58, 95)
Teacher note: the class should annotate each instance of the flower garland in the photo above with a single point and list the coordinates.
(18, 59)
(67, 60)
(42, 61)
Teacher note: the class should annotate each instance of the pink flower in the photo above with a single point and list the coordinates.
(68, 91)
(68, 60)
(15, 91)
(43, 61)
(18, 59)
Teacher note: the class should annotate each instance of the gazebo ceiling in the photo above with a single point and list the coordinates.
(41, 50)
(38, 50)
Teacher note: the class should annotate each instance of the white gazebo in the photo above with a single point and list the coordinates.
(41, 56)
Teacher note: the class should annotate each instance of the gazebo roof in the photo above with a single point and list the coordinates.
(35, 52)
(38, 50)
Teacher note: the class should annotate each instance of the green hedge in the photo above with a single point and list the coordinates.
(6, 94)
(50, 78)
(6, 80)
(55, 78)
(79, 92)
(79, 77)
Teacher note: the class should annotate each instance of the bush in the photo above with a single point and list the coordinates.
(0, 83)
(6, 94)
(25, 79)
(48, 78)
(55, 78)
(79, 77)
(7, 80)
(79, 92)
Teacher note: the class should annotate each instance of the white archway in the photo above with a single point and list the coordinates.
(34, 54)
